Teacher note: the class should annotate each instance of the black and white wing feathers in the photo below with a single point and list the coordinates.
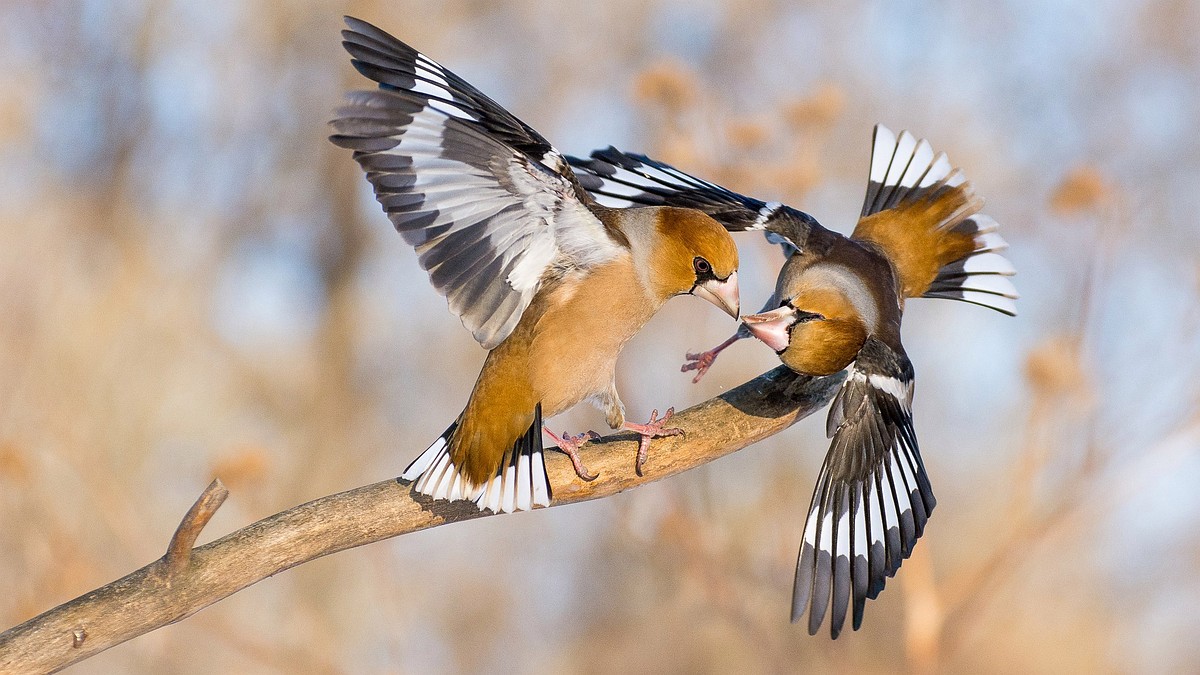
(621, 179)
(872, 498)
(488, 203)
(398, 67)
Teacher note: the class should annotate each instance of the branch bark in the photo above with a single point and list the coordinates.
(187, 580)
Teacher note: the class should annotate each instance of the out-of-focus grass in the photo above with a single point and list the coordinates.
(194, 283)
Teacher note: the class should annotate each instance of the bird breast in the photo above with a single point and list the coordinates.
(580, 331)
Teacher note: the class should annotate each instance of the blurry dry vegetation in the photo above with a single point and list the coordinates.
(194, 283)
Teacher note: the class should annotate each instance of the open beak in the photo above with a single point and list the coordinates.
(723, 294)
(772, 327)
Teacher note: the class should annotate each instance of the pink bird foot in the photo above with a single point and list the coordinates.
(702, 361)
(569, 446)
(652, 429)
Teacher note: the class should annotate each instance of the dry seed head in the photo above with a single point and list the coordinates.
(668, 84)
(1083, 189)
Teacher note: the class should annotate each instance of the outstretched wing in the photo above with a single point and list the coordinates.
(489, 205)
(620, 179)
(872, 498)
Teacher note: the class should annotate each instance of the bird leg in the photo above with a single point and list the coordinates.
(652, 429)
(701, 362)
(569, 446)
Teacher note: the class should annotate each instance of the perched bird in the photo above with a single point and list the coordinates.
(837, 305)
(549, 281)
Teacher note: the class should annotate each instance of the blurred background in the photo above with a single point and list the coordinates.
(195, 283)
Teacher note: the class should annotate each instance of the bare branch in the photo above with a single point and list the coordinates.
(179, 552)
(154, 596)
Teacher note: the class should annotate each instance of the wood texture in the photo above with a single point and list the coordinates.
(157, 595)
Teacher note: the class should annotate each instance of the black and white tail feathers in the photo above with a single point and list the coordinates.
(905, 169)
(519, 485)
(980, 278)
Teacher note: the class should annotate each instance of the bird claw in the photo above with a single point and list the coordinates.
(569, 446)
(653, 429)
(699, 362)
(702, 361)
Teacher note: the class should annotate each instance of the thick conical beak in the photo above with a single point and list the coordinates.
(772, 327)
(723, 294)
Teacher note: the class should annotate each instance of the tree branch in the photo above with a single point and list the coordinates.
(179, 551)
(186, 580)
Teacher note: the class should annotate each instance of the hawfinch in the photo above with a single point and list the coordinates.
(549, 281)
(838, 303)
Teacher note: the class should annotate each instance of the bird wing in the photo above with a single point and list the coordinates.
(490, 206)
(872, 498)
(620, 179)
(924, 215)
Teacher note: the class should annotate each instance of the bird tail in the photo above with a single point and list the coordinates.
(520, 483)
(923, 212)
(981, 276)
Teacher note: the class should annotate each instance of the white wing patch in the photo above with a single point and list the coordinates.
(765, 213)
(898, 389)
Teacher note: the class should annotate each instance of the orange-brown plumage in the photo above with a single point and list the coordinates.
(500, 409)
(565, 348)
(828, 344)
(917, 236)
(685, 234)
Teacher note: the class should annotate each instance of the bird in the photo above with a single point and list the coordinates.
(837, 306)
(551, 283)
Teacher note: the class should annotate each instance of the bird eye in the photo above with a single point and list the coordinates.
(701, 265)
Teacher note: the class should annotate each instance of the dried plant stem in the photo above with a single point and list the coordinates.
(186, 580)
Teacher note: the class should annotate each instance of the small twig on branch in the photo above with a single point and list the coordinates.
(154, 596)
(179, 552)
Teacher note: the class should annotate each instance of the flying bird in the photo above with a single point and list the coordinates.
(837, 305)
(548, 280)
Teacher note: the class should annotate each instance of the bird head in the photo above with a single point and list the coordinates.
(695, 255)
(815, 332)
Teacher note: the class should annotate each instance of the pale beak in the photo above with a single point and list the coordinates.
(772, 327)
(723, 294)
